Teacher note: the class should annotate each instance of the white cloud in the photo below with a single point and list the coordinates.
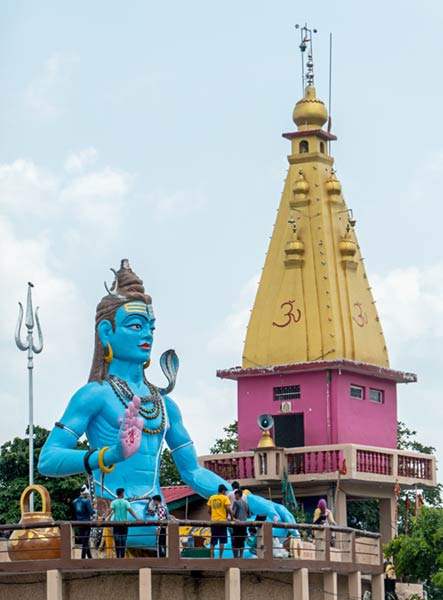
(40, 210)
(206, 409)
(63, 319)
(26, 189)
(29, 193)
(92, 196)
(45, 93)
(170, 204)
(410, 302)
(231, 332)
(99, 184)
(410, 305)
(78, 161)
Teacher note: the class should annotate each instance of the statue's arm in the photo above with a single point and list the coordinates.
(201, 480)
(59, 456)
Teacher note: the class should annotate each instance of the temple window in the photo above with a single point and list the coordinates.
(322, 147)
(304, 147)
(357, 391)
(287, 392)
(376, 396)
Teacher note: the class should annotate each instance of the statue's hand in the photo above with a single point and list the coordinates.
(131, 428)
(272, 510)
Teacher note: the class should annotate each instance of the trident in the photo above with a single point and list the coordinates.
(31, 348)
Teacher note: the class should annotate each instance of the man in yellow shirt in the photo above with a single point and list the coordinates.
(219, 507)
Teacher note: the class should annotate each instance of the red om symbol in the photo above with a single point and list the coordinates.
(361, 319)
(291, 317)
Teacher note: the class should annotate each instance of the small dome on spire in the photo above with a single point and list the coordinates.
(301, 186)
(347, 246)
(333, 186)
(310, 112)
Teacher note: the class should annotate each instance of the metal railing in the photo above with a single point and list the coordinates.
(186, 545)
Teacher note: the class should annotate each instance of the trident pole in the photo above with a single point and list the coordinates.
(31, 348)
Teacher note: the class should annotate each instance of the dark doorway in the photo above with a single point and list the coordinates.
(289, 431)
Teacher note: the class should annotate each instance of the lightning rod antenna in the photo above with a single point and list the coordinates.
(330, 89)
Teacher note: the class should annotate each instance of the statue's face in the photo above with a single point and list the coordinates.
(134, 332)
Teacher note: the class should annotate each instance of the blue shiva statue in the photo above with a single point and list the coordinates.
(126, 418)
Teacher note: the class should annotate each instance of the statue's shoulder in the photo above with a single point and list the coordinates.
(91, 395)
(171, 407)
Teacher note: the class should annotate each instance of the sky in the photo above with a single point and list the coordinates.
(152, 131)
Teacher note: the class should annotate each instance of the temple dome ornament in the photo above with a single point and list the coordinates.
(301, 187)
(300, 191)
(348, 249)
(294, 251)
(310, 112)
(333, 186)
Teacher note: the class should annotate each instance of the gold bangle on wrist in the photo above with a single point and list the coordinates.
(101, 463)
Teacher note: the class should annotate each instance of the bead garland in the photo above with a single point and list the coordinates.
(124, 393)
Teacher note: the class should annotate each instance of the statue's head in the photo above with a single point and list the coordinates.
(124, 323)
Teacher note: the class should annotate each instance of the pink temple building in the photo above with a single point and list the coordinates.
(315, 358)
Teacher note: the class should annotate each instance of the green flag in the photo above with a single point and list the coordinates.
(287, 492)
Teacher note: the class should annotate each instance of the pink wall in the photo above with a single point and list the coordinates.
(364, 421)
(351, 420)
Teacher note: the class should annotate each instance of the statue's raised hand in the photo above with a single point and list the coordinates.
(130, 434)
(131, 429)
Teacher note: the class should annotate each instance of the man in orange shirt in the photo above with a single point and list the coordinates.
(219, 507)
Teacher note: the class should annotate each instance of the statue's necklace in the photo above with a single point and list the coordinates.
(124, 393)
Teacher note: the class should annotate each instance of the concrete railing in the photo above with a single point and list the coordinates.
(325, 463)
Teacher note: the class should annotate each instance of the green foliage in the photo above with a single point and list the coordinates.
(364, 514)
(419, 556)
(14, 478)
(228, 443)
(406, 440)
(169, 474)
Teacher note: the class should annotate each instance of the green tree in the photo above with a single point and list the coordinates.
(407, 440)
(228, 443)
(169, 474)
(419, 555)
(14, 478)
(364, 514)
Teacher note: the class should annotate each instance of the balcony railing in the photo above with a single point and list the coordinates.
(238, 466)
(352, 461)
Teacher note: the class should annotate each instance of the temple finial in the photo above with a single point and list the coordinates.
(306, 44)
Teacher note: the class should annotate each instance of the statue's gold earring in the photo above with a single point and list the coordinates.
(147, 363)
(110, 355)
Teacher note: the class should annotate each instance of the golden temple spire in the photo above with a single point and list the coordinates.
(314, 301)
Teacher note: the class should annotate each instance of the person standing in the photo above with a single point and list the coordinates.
(84, 512)
(120, 509)
(390, 581)
(241, 512)
(231, 495)
(219, 508)
(251, 541)
(322, 514)
(161, 511)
